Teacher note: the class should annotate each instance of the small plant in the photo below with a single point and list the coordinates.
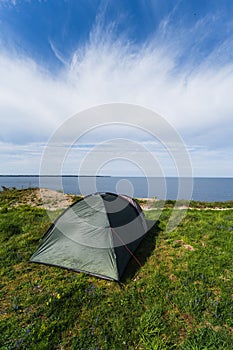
(4, 210)
(4, 188)
(8, 229)
(76, 198)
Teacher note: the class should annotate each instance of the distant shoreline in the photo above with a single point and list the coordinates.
(121, 176)
(55, 176)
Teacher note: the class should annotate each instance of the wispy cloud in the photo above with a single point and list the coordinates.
(57, 53)
(195, 97)
(8, 2)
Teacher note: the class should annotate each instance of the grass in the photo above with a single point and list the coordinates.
(12, 196)
(181, 297)
(170, 203)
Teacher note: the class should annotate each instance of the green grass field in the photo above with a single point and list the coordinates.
(180, 298)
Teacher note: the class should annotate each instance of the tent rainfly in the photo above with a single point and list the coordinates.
(96, 235)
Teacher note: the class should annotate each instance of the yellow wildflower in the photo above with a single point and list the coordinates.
(48, 302)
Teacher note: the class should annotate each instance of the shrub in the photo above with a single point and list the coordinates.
(8, 229)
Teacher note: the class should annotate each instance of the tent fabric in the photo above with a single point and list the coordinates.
(96, 235)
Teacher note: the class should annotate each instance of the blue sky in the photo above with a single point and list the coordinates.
(60, 57)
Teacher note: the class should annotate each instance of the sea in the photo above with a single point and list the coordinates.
(198, 188)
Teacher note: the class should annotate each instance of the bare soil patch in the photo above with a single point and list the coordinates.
(51, 200)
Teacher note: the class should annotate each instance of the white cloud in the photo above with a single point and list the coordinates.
(194, 99)
(20, 159)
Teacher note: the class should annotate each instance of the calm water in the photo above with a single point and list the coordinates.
(206, 189)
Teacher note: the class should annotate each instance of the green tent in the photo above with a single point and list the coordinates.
(96, 235)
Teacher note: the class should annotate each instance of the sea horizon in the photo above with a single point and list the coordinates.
(208, 189)
(121, 176)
